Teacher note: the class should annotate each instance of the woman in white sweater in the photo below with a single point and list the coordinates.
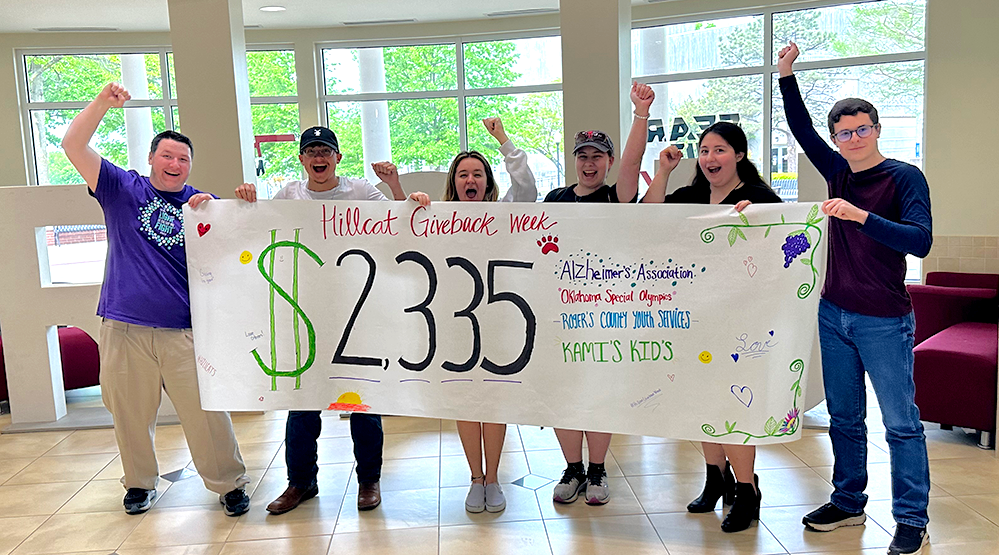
(470, 178)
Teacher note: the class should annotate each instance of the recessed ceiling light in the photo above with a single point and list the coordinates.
(272, 9)
(76, 29)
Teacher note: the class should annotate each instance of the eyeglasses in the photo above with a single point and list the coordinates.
(863, 132)
(316, 152)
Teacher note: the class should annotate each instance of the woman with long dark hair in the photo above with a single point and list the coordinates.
(725, 175)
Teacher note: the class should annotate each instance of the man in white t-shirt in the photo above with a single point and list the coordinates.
(319, 153)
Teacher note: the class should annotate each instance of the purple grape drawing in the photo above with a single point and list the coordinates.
(795, 244)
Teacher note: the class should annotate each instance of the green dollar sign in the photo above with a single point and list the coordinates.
(292, 299)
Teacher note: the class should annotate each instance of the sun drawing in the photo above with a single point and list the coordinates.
(349, 401)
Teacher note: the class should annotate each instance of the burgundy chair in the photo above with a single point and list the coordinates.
(957, 350)
(81, 363)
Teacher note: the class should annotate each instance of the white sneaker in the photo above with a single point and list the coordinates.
(569, 487)
(495, 501)
(475, 501)
(597, 489)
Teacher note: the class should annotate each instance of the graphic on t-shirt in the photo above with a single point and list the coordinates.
(162, 223)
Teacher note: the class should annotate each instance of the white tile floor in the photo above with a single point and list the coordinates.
(59, 494)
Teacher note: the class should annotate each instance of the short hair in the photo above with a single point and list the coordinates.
(850, 107)
(451, 189)
(173, 136)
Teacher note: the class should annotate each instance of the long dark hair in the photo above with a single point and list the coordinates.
(451, 191)
(736, 138)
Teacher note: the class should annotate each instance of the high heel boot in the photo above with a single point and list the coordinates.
(717, 484)
(746, 508)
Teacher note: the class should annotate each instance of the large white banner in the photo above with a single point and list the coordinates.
(692, 322)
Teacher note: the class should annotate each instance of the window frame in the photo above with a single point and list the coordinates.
(460, 92)
(168, 102)
(769, 69)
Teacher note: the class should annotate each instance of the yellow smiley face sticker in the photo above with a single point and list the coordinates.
(704, 357)
(245, 257)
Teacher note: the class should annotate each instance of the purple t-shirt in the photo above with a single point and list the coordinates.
(145, 279)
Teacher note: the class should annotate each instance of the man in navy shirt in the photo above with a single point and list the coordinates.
(146, 344)
(879, 211)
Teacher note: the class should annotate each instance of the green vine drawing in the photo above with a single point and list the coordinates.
(773, 427)
(268, 273)
(735, 233)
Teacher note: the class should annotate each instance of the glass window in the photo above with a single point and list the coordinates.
(123, 137)
(422, 133)
(864, 29)
(79, 78)
(533, 121)
(271, 73)
(535, 61)
(683, 109)
(76, 254)
(390, 69)
(700, 46)
(275, 129)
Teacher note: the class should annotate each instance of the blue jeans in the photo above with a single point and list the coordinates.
(852, 344)
(302, 450)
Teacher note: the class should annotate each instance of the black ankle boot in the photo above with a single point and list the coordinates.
(717, 484)
(746, 508)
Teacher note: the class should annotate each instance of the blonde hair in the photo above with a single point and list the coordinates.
(451, 190)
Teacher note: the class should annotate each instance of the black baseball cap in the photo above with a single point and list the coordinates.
(320, 135)
(597, 139)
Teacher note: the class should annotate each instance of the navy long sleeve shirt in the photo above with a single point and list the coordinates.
(865, 272)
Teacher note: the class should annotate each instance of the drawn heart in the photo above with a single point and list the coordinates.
(735, 357)
(260, 398)
(771, 333)
(203, 229)
(671, 377)
(743, 394)
(751, 268)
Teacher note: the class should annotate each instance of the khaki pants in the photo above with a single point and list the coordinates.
(137, 364)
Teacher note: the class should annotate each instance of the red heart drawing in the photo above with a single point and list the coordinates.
(203, 229)
(671, 376)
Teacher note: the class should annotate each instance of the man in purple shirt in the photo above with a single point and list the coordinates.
(146, 344)
(879, 211)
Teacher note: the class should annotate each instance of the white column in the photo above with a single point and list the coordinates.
(138, 121)
(375, 132)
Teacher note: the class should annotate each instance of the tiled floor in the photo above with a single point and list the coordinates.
(59, 494)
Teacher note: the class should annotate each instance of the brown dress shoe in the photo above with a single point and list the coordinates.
(291, 498)
(369, 496)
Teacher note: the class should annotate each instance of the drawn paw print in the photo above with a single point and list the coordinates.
(750, 267)
(548, 244)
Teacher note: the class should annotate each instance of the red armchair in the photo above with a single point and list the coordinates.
(81, 363)
(957, 350)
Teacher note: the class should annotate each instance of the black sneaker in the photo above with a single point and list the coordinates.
(829, 517)
(138, 500)
(236, 502)
(908, 540)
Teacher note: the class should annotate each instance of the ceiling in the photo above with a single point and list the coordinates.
(151, 15)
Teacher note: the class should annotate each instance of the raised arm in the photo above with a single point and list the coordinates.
(523, 187)
(822, 156)
(631, 157)
(76, 141)
(669, 157)
(387, 172)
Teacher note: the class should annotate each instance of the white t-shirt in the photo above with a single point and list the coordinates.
(347, 189)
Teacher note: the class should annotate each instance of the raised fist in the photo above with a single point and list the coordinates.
(114, 94)
(642, 96)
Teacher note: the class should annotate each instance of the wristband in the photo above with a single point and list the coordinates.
(640, 117)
